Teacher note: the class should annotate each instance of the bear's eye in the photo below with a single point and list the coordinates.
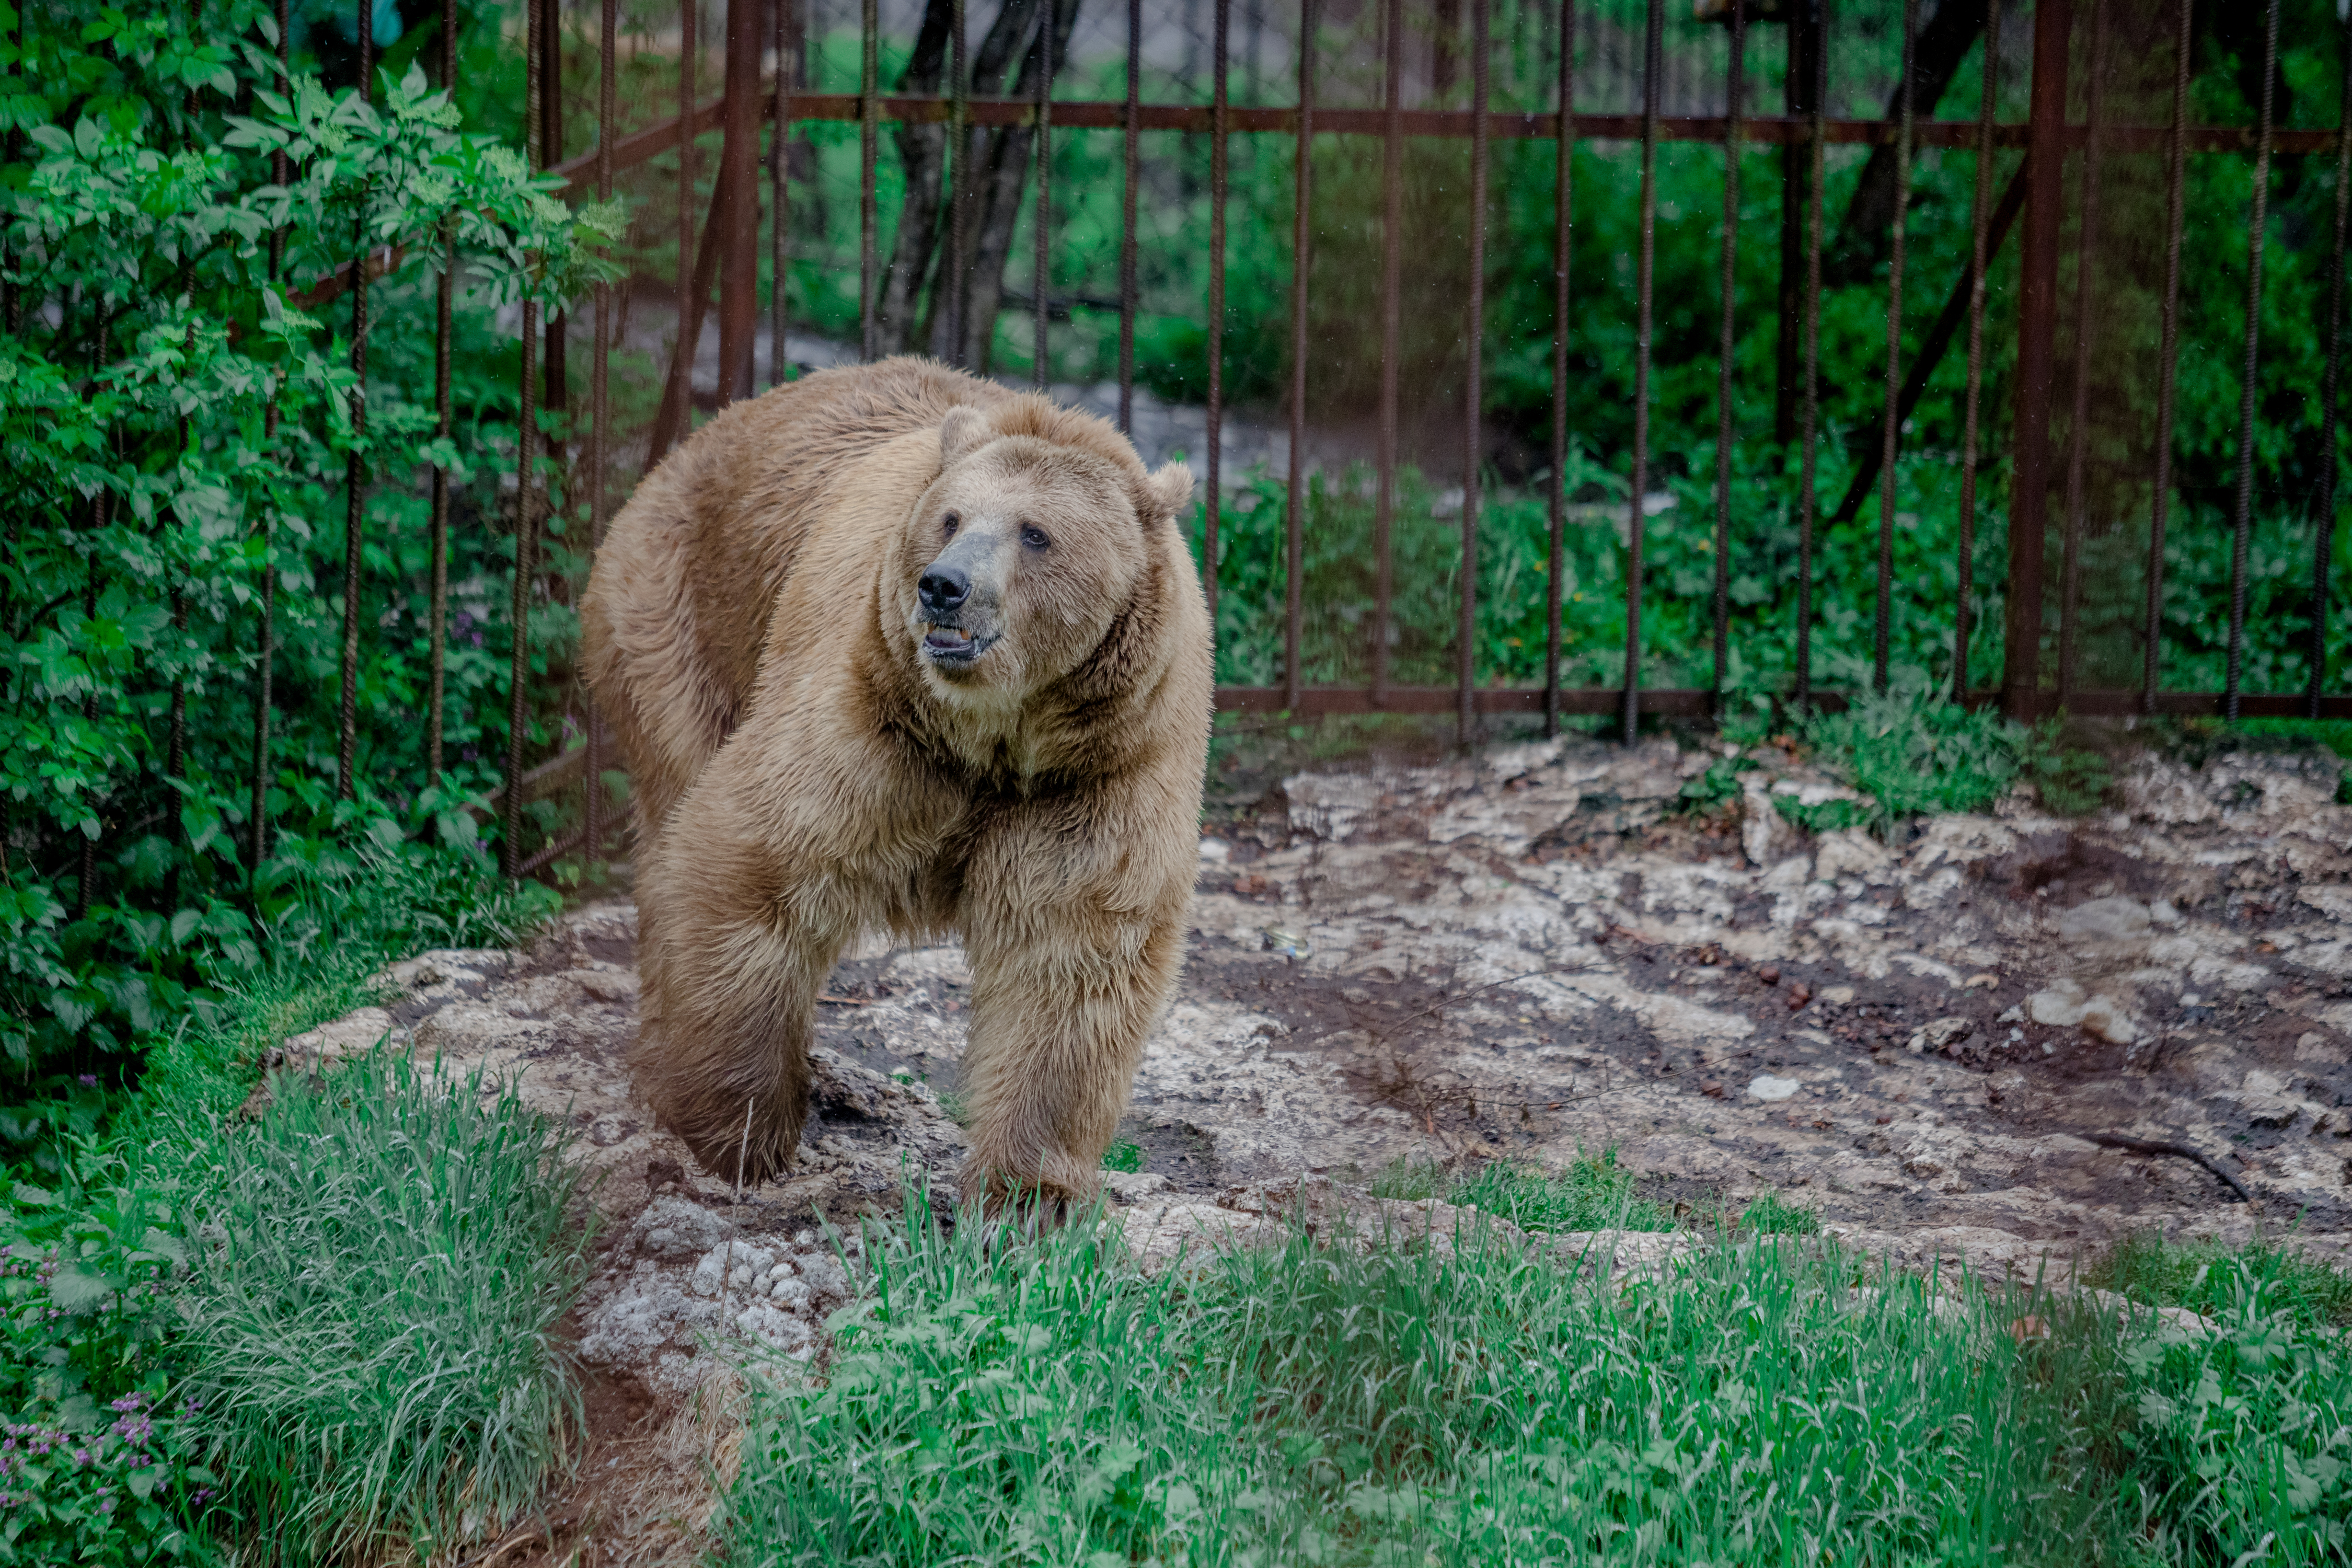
(1034, 537)
(948, 524)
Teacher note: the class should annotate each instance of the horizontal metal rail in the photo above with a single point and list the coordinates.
(1761, 130)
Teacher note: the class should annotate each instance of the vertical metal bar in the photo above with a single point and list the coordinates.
(599, 363)
(347, 719)
(2331, 385)
(1653, 46)
(956, 268)
(1133, 147)
(1735, 86)
(554, 392)
(1302, 236)
(1391, 334)
(510, 856)
(1563, 157)
(688, 299)
(1979, 216)
(2258, 219)
(1891, 422)
(100, 513)
(1043, 224)
(1465, 636)
(739, 239)
(869, 134)
(2078, 434)
(1808, 502)
(258, 845)
(2037, 316)
(1219, 106)
(445, 300)
(2168, 355)
(600, 401)
(780, 200)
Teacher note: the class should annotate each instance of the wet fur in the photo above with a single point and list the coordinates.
(800, 778)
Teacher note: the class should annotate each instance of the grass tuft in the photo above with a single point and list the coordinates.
(2206, 1277)
(373, 1318)
(1590, 1193)
(1770, 1213)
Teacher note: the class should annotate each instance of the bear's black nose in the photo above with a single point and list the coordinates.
(942, 589)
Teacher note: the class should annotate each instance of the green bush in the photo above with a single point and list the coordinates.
(373, 1319)
(102, 1456)
(177, 430)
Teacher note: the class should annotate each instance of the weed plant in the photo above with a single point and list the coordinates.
(103, 1195)
(372, 1318)
(1017, 1401)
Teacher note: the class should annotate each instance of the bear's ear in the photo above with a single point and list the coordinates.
(1170, 488)
(964, 430)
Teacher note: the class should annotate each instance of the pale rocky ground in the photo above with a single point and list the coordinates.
(1528, 956)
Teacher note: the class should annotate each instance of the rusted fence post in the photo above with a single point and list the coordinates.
(738, 172)
(2053, 28)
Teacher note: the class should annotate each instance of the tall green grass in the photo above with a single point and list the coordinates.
(372, 1321)
(1590, 1193)
(1013, 1403)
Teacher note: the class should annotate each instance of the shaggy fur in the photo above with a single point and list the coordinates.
(814, 755)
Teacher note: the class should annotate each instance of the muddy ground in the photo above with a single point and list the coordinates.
(1532, 954)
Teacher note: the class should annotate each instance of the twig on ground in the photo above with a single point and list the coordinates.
(2178, 1151)
(845, 1001)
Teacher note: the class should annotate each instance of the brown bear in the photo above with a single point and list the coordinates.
(893, 648)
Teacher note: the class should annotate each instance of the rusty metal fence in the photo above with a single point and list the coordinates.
(2066, 139)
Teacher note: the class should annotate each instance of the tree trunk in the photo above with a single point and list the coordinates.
(990, 184)
(1865, 237)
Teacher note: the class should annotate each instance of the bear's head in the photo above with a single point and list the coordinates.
(1021, 557)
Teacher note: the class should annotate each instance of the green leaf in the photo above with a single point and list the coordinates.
(80, 1292)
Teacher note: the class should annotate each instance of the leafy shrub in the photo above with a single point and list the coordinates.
(372, 1321)
(174, 422)
(102, 1456)
(1715, 789)
(1126, 1158)
(1827, 816)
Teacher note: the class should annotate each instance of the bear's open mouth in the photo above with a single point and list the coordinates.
(953, 645)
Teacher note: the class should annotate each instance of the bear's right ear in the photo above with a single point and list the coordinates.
(962, 431)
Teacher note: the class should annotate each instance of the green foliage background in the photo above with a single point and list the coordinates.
(176, 429)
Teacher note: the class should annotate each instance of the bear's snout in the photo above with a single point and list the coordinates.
(943, 590)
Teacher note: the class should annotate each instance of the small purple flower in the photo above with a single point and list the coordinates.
(461, 621)
(88, 1080)
(82, 1456)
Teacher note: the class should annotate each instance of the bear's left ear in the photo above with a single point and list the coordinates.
(1170, 488)
(961, 431)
